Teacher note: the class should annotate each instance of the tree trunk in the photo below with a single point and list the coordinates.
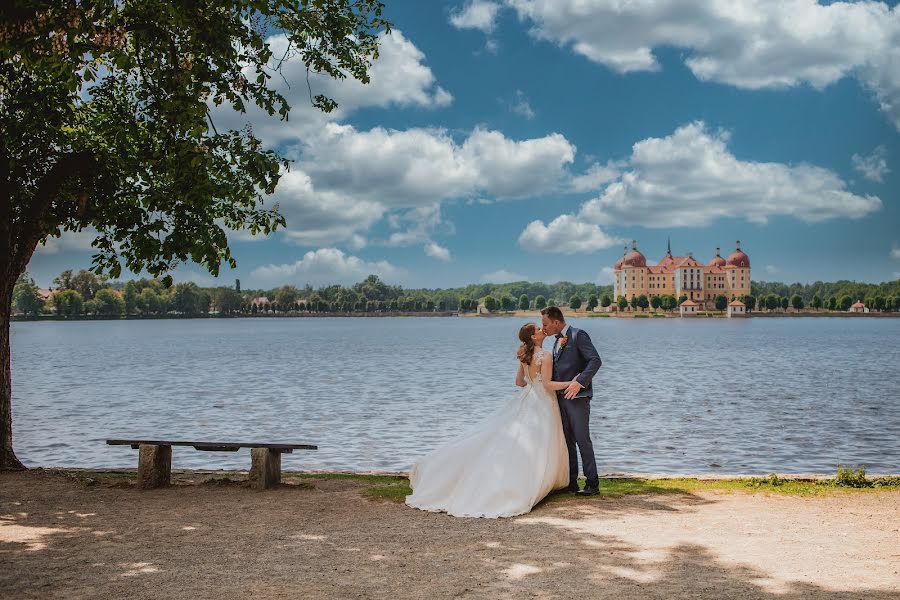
(8, 460)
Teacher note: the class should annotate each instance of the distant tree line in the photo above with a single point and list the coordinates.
(85, 293)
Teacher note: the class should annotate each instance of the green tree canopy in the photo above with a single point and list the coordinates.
(524, 304)
(68, 303)
(540, 302)
(575, 302)
(105, 112)
(109, 303)
(25, 297)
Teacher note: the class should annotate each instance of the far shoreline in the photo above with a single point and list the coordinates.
(450, 314)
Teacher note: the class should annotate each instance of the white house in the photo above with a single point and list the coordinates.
(736, 308)
(688, 308)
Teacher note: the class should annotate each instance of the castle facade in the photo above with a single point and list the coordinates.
(682, 275)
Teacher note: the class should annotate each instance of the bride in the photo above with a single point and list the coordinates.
(510, 461)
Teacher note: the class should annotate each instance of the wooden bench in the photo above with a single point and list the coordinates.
(155, 459)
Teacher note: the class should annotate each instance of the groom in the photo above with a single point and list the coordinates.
(575, 359)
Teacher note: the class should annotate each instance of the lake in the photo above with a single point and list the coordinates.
(673, 396)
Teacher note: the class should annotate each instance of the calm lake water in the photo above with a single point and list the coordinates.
(673, 396)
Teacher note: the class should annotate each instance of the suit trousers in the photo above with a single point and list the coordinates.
(576, 416)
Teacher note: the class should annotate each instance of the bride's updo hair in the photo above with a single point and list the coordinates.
(526, 350)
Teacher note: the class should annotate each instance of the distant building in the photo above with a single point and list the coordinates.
(688, 308)
(736, 308)
(45, 293)
(682, 275)
(858, 307)
(259, 301)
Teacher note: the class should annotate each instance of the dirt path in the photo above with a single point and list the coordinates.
(60, 538)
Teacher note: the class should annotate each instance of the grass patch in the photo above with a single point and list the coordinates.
(396, 492)
(395, 488)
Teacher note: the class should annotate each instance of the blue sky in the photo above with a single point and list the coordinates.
(532, 139)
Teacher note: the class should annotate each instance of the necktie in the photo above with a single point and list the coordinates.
(556, 345)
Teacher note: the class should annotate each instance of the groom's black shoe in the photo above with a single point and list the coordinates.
(570, 489)
(588, 491)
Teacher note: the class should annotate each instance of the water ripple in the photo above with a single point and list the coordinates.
(673, 396)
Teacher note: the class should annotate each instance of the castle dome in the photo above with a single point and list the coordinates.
(738, 258)
(634, 258)
(717, 260)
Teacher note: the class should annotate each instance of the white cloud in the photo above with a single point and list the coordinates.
(68, 241)
(895, 252)
(772, 269)
(415, 167)
(399, 77)
(502, 276)
(690, 179)
(344, 180)
(751, 45)
(566, 234)
(606, 276)
(435, 251)
(596, 176)
(476, 14)
(325, 266)
(873, 167)
(521, 106)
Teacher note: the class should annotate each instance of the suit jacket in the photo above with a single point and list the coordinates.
(579, 360)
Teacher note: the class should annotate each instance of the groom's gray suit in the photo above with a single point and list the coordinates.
(577, 359)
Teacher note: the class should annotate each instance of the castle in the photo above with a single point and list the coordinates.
(682, 276)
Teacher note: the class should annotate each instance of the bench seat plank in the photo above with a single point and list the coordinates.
(225, 446)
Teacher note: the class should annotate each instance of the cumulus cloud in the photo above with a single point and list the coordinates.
(874, 166)
(399, 77)
(476, 14)
(690, 179)
(435, 251)
(502, 276)
(596, 176)
(344, 180)
(895, 252)
(750, 45)
(566, 234)
(772, 269)
(325, 266)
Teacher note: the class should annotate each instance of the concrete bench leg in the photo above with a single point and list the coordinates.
(154, 466)
(265, 468)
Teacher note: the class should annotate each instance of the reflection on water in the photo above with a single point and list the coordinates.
(673, 396)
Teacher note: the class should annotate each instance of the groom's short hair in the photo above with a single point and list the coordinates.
(553, 313)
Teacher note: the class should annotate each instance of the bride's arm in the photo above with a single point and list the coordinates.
(520, 376)
(547, 377)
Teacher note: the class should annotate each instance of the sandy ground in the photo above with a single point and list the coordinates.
(62, 538)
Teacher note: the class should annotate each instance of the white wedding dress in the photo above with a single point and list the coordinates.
(502, 467)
